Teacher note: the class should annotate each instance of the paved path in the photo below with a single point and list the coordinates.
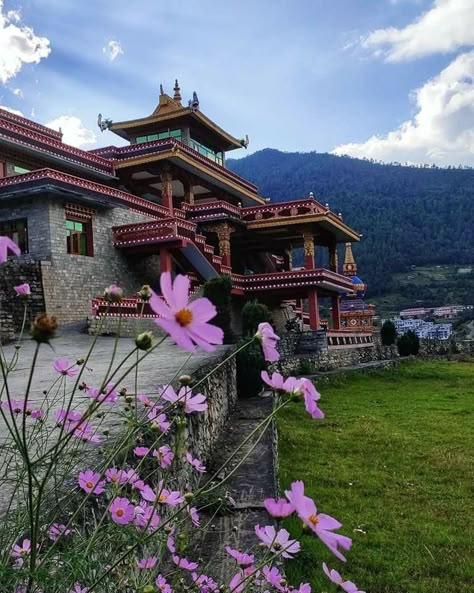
(157, 369)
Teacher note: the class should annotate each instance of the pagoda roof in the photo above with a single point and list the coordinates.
(171, 110)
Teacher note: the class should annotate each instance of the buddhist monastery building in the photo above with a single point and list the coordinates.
(165, 201)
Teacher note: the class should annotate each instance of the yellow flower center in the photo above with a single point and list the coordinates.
(313, 519)
(162, 498)
(89, 485)
(184, 317)
(113, 479)
(119, 513)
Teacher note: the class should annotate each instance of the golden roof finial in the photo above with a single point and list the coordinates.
(162, 92)
(177, 94)
(350, 267)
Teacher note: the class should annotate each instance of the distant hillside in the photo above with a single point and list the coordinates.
(408, 216)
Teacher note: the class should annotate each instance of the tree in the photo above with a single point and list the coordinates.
(408, 344)
(388, 333)
(218, 291)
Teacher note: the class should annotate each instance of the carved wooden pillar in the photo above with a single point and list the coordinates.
(167, 188)
(188, 191)
(308, 250)
(333, 258)
(313, 309)
(223, 230)
(336, 312)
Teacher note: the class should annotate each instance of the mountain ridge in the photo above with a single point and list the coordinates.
(408, 216)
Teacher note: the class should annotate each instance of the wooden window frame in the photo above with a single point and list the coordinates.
(23, 245)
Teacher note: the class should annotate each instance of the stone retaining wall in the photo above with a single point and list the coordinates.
(7, 330)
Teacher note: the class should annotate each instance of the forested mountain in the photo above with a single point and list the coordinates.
(408, 216)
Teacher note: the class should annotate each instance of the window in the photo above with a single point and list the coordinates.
(17, 230)
(160, 136)
(79, 237)
(20, 170)
(213, 155)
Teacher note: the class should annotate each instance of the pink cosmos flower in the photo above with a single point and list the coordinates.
(85, 432)
(310, 396)
(64, 367)
(64, 416)
(147, 402)
(336, 578)
(116, 476)
(198, 465)
(18, 551)
(146, 517)
(147, 563)
(6, 244)
(278, 541)
(193, 513)
(164, 455)
(163, 584)
(276, 381)
(184, 563)
(242, 579)
(57, 530)
(78, 588)
(204, 583)
(113, 293)
(185, 322)
(141, 451)
(108, 394)
(273, 577)
(186, 398)
(243, 560)
(90, 481)
(170, 543)
(303, 588)
(159, 420)
(22, 290)
(268, 339)
(171, 498)
(122, 511)
(322, 525)
(278, 508)
(18, 406)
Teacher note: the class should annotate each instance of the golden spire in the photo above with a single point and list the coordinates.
(350, 267)
(177, 94)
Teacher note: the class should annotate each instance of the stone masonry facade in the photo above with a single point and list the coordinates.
(63, 284)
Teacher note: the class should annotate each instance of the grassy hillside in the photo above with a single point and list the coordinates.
(392, 461)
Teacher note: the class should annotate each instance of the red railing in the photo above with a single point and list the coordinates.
(307, 206)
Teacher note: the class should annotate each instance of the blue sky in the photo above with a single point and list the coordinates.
(295, 75)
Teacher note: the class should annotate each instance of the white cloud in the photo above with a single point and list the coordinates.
(15, 111)
(18, 93)
(442, 130)
(446, 27)
(74, 132)
(18, 45)
(112, 50)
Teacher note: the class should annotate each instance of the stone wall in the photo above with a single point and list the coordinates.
(21, 270)
(7, 331)
(127, 327)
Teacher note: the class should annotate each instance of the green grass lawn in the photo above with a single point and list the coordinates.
(393, 462)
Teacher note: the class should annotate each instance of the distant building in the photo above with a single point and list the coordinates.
(426, 330)
(445, 312)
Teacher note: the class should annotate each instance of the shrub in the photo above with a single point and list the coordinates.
(218, 291)
(254, 313)
(408, 344)
(388, 333)
(250, 364)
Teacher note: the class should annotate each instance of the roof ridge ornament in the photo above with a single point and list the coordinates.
(162, 92)
(245, 141)
(176, 89)
(104, 124)
(193, 103)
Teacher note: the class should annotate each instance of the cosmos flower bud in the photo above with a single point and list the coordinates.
(145, 292)
(113, 294)
(43, 328)
(23, 290)
(188, 496)
(149, 589)
(185, 380)
(80, 361)
(144, 341)
(129, 399)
